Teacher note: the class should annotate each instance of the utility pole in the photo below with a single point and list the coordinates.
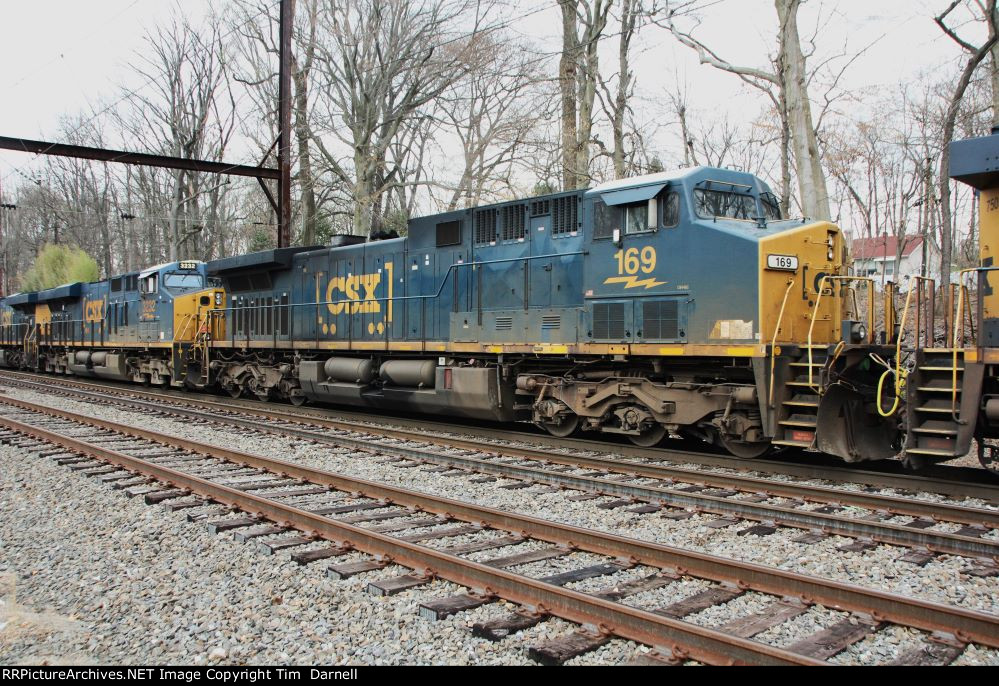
(284, 122)
(927, 209)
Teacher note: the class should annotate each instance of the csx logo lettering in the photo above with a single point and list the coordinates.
(348, 288)
(93, 310)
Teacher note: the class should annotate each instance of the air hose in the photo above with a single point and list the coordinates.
(900, 379)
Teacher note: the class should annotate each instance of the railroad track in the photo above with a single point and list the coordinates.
(671, 492)
(964, 482)
(264, 499)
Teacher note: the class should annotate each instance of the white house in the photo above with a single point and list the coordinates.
(875, 257)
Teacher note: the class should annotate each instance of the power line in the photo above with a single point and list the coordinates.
(62, 55)
(129, 217)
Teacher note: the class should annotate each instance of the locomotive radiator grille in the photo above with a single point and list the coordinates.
(608, 321)
(660, 320)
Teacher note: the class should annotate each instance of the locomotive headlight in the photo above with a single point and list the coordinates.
(218, 299)
(859, 333)
(830, 254)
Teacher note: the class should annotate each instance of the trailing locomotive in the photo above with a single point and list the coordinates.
(135, 327)
(675, 304)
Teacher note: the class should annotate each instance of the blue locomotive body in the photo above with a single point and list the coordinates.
(672, 303)
(126, 328)
(544, 271)
(476, 310)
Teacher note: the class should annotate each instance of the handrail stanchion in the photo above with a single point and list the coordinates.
(773, 345)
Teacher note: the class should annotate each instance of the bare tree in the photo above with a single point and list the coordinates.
(188, 111)
(493, 112)
(583, 25)
(787, 87)
(378, 62)
(975, 56)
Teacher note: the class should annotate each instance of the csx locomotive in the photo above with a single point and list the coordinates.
(677, 304)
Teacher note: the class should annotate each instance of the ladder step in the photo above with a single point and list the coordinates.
(932, 452)
(940, 369)
(803, 423)
(936, 389)
(793, 444)
(802, 401)
(934, 432)
(804, 384)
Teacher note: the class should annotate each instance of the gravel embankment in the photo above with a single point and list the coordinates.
(143, 585)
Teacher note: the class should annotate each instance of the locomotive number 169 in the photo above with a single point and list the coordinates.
(630, 261)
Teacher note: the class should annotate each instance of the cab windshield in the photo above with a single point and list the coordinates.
(714, 203)
(183, 282)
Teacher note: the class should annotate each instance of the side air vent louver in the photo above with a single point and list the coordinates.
(541, 208)
(660, 320)
(504, 323)
(565, 217)
(485, 227)
(608, 321)
(551, 322)
(513, 222)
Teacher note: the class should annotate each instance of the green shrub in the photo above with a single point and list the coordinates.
(56, 265)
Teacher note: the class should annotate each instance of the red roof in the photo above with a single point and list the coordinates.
(883, 247)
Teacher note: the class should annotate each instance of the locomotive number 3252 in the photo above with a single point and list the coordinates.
(631, 261)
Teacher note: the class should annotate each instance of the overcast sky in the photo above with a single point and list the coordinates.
(59, 57)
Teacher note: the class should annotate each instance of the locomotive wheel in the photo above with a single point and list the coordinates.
(988, 456)
(234, 391)
(562, 429)
(649, 438)
(744, 450)
(297, 400)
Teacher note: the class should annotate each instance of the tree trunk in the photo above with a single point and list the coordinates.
(628, 17)
(587, 78)
(785, 156)
(567, 70)
(811, 178)
(950, 123)
(303, 130)
(995, 85)
(178, 194)
(305, 179)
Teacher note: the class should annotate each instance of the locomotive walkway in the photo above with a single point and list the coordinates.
(259, 497)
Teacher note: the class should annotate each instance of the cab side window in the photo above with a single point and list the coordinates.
(604, 219)
(637, 218)
(149, 284)
(671, 210)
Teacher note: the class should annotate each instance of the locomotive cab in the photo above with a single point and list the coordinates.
(688, 277)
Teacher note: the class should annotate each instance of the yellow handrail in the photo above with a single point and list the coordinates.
(187, 323)
(815, 312)
(958, 337)
(900, 377)
(773, 345)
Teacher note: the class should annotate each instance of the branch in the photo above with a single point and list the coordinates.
(707, 56)
(940, 20)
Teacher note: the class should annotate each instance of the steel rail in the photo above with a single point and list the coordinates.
(965, 625)
(891, 504)
(944, 486)
(612, 618)
(891, 534)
